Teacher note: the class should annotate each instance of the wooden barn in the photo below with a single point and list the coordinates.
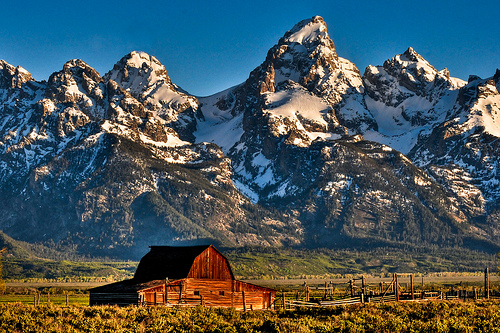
(177, 276)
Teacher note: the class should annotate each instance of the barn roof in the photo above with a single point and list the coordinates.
(170, 262)
(127, 286)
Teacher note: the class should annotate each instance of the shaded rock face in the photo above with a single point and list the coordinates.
(13, 77)
(146, 79)
(305, 152)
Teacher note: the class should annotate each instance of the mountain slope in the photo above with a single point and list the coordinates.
(306, 152)
(462, 152)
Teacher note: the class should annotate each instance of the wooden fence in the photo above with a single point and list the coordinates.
(357, 291)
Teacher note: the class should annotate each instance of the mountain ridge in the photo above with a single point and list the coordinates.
(305, 152)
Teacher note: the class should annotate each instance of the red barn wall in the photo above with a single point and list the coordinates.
(210, 264)
(218, 293)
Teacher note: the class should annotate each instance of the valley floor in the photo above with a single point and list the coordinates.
(444, 316)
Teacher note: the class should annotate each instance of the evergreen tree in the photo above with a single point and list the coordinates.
(2, 283)
(498, 263)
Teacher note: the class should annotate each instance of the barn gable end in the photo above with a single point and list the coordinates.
(211, 264)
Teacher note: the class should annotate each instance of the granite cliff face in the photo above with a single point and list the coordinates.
(305, 152)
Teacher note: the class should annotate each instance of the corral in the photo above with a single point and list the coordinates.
(402, 288)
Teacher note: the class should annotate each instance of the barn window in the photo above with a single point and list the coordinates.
(196, 292)
(221, 293)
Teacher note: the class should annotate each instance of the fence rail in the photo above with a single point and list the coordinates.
(361, 292)
(382, 299)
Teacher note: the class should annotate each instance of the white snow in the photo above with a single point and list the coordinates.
(123, 130)
(282, 190)
(486, 113)
(342, 183)
(266, 178)
(325, 136)
(254, 197)
(148, 81)
(172, 141)
(160, 93)
(260, 161)
(297, 101)
(308, 33)
(138, 58)
(219, 127)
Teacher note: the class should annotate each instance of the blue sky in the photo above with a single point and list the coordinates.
(210, 46)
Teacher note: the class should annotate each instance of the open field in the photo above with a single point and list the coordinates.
(24, 292)
(58, 299)
(442, 279)
(63, 285)
(445, 316)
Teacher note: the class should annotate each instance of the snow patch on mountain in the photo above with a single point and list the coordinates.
(146, 79)
(218, 126)
(297, 103)
(308, 31)
(486, 111)
(249, 193)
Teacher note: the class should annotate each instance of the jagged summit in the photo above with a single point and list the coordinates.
(13, 77)
(137, 69)
(75, 69)
(411, 55)
(146, 79)
(307, 32)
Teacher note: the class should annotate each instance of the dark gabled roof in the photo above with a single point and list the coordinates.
(127, 286)
(170, 262)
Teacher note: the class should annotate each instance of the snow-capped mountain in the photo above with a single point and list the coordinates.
(407, 97)
(305, 152)
(461, 153)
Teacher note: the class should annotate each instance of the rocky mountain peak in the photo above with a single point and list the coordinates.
(145, 78)
(411, 55)
(411, 72)
(12, 77)
(411, 68)
(496, 77)
(308, 32)
(80, 85)
(136, 70)
(74, 71)
(305, 152)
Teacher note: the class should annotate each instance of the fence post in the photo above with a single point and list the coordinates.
(166, 293)
(411, 286)
(67, 299)
(396, 287)
(487, 283)
(34, 300)
(244, 301)
(363, 287)
(307, 293)
(284, 296)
